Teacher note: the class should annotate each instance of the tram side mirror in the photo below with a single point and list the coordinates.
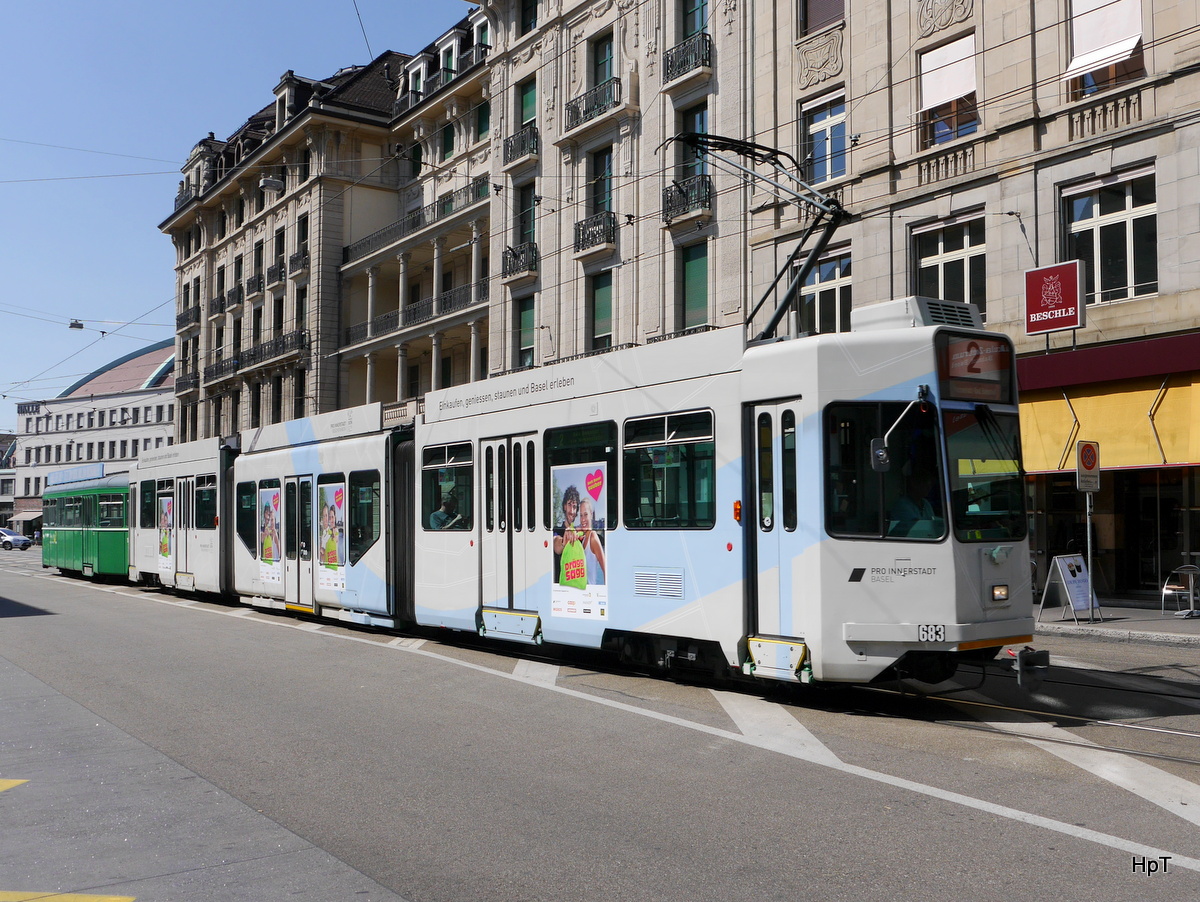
(881, 461)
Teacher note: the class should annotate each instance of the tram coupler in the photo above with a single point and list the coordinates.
(1030, 666)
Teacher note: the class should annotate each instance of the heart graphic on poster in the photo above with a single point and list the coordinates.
(595, 484)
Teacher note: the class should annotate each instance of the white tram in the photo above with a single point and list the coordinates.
(832, 508)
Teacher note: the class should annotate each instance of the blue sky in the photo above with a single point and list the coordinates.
(102, 104)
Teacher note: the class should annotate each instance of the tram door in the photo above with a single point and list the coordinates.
(773, 450)
(509, 528)
(298, 542)
(183, 533)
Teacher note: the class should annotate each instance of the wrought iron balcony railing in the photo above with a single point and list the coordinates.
(520, 260)
(216, 305)
(187, 382)
(221, 369)
(595, 102)
(234, 296)
(694, 53)
(298, 262)
(478, 190)
(189, 317)
(254, 284)
(689, 196)
(276, 273)
(596, 231)
(288, 343)
(524, 143)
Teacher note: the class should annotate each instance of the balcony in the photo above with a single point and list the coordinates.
(522, 147)
(298, 262)
(189, 317)
(234, 296)
(467, 60)
(520, 262)
(596, 234)
(276, 273)
(439, 80)
(478, 190)
(422, 311)
(688, 61)
(254, 285)
(595, 103)
(187, 382)
(216, 306)
(288, 343)
(185, 195)
(222, 369)
(688, 200)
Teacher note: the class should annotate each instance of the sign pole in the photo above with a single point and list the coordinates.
(1087, 480)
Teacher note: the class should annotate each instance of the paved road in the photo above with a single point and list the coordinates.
(185, 751)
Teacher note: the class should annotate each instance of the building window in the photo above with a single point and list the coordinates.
(527, 18)
(693, 286)
(527, 102)
(526, 207)
(602, 60)
(692, 120)
(1113, 228)
(447, 141)
(483, 119)
(826, 295)
(602, 192)
(695, 17)
(816, 14)
(601, 310)
(950, 263)
(1106, 45)
(948, 108)
(823, 142)
(526, 331)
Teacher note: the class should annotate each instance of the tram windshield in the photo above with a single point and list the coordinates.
(987, 500)
(904, 502)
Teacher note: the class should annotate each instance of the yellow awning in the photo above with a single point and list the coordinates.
(1138, 423)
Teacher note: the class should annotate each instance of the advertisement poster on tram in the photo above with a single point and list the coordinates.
(166, 523)
(331, 536)
(270, 565)
(579, 499)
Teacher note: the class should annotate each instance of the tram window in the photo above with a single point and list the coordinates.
(306, 520)
(365, 512)
(490, 489)
(448, 487)
(516, 486)
(906, 502)
(529, 469)
(247, 516)
(112, 511)
(787, 425)
(670, 473)
(146, 516)
(49, 506)
(593, 445)
(502, 484)
(206, 501)
(766, 473)
(289, 521)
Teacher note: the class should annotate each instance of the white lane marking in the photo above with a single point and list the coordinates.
(406, 642)
(1002, 811)
(536, 672)
(772, 727)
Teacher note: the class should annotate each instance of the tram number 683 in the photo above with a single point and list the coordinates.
(931, 632)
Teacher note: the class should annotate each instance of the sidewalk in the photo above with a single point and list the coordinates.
(1121, 624)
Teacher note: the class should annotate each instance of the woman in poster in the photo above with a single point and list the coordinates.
(568, 547)
(270, 535)
(593, 544)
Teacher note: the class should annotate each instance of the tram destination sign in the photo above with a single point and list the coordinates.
(1054, 298)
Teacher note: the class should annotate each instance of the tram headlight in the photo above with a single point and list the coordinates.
(999, 593)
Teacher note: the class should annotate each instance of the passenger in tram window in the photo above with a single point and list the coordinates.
(913, 506)
(270, 535)
(447, 516)
(593, 544)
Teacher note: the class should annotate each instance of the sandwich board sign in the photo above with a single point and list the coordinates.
(1069, 586)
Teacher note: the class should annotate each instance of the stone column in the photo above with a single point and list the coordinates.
(372, 297)
(439, 245)
(476, 262)
(435, 376)
(371, 377)
(401, 371)
(404, 260)
(473, 369)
